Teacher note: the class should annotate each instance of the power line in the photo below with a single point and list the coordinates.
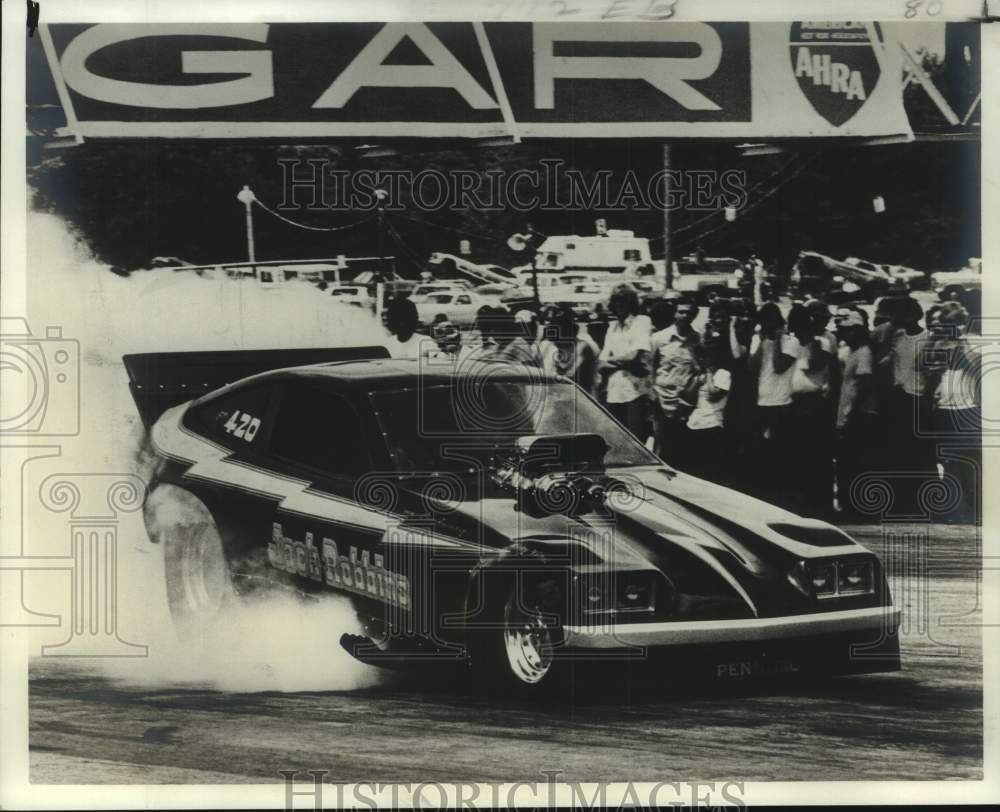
(711, 214)
(802, 168)
(410, 253)
(308, 227)
(452, 229)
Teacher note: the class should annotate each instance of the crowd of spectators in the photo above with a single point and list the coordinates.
(794, 405)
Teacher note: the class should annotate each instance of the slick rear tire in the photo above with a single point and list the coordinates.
(199, 584)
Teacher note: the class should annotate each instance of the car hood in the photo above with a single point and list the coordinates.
(708, 538)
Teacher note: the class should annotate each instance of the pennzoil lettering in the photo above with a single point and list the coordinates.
(359, 572)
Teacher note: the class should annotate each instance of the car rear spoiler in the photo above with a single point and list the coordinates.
(160, 380)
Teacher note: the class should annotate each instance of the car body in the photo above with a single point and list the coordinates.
(955, 284)
(498, 518)
(460, 307)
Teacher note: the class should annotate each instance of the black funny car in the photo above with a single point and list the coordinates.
(488, 514)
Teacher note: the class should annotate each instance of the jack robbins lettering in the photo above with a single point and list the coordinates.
(363, 575)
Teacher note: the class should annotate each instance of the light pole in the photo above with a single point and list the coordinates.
(246, 197)
(380, 197)
(519, 242)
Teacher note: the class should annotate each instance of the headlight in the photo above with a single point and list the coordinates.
(623, 592)
(855, 578)
(841, 578)
(823, 580)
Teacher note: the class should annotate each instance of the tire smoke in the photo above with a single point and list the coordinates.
(278, 643)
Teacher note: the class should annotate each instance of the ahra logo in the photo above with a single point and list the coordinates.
(835, 65)
(835, 75)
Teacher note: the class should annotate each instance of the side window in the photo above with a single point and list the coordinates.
(318, 429)
(236, 420)
(464, 299)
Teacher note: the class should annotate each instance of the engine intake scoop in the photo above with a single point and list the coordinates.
(554, 473)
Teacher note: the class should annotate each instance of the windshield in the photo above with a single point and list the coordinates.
(450, 427)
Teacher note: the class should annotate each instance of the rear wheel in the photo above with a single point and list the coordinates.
(199, 584)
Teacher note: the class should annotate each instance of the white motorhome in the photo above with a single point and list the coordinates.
(617, 254)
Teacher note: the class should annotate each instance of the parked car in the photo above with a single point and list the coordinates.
(458, 307)
(705, 277)
(911, 277)
(352, 294)
(425, 289)
(837, 281)
(955, 284)
(493, 289)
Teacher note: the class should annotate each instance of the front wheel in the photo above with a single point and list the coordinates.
(528, 643)
(517, 651)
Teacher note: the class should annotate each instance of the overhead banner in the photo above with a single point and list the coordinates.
(479, 80)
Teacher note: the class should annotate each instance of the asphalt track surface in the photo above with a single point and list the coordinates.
(922, 723)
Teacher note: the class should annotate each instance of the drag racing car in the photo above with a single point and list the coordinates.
(488, 515)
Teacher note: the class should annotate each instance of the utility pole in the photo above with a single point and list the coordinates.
(247, 197)
(667, 247)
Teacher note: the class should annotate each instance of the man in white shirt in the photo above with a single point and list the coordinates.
(624, 361)
(777, 353)
(909, 406)
(772, 361)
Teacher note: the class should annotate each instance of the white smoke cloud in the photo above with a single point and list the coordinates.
(274, 644)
